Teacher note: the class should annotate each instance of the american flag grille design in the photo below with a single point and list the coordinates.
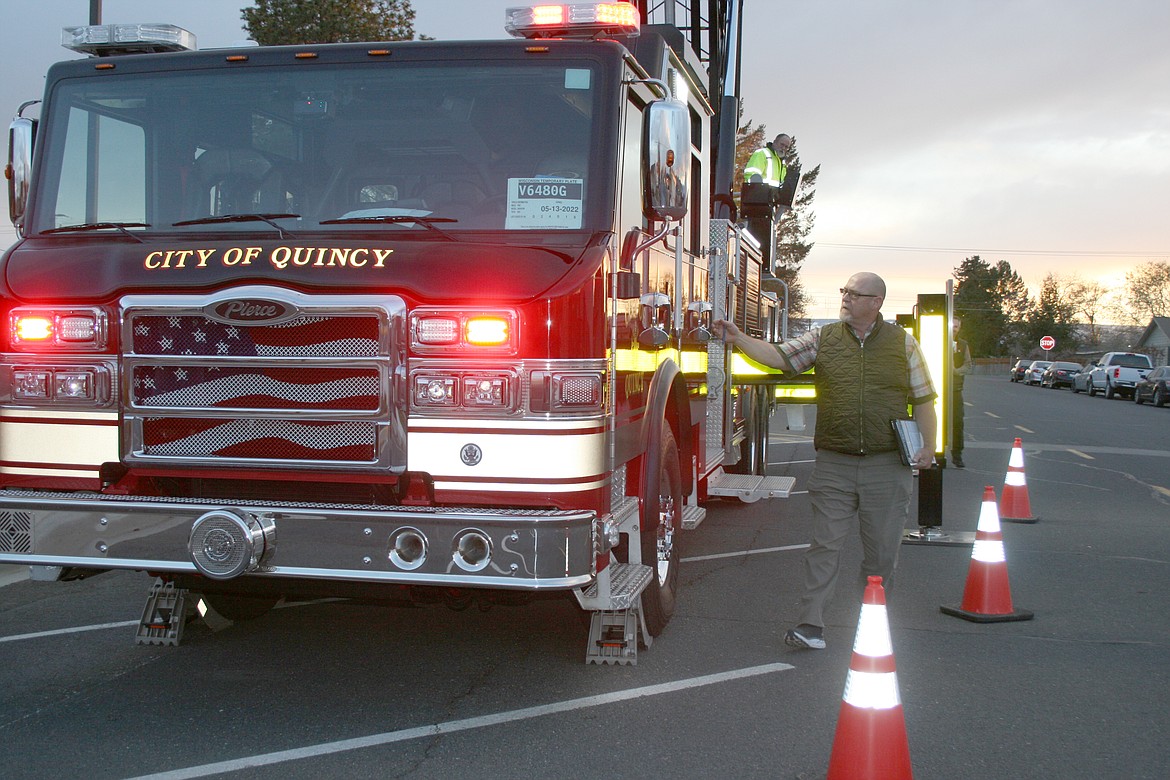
(263, 439)
(322, 370)
(307, 336)
(190, 387)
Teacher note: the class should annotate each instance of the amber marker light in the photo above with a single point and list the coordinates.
(32, 328)
(548, 14)
(487, 331)
(617, 13)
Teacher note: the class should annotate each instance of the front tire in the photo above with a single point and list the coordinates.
(662, 503)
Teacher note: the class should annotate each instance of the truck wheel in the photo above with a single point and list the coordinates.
(662, 504)
(1109, 391)
(234, 606)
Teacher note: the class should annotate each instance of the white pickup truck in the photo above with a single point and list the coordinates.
(1118, 372)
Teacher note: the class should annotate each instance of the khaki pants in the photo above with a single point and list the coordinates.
(869, 492)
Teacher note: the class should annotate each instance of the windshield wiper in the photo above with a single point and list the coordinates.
(101, 226)
(269, 218)
(427, 222)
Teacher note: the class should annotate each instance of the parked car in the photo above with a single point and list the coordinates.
(1082, 380)
(1059, 374)
(1017, 370)
(1155, 386)
(1036, 371)
(1116, 373)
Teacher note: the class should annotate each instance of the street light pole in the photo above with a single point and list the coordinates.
(95, 11)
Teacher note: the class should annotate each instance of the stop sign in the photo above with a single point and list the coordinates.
(1047, 342)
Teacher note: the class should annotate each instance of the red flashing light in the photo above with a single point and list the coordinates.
(69, 328)
(573, 20)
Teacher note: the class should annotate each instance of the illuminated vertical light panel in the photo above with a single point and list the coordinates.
(934, 337)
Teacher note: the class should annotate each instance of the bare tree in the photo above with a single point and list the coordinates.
(1086, 299)
(1147, 293)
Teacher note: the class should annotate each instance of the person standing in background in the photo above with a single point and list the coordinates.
(961, 366)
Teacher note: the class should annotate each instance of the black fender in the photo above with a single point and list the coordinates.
(668, 390)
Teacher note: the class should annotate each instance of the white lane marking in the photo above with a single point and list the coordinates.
(74, 630)
(1080, 454)
(453, 726)
(1022, 428)
(717, 556)
(283, 605)
(996, 416)
(124, 623)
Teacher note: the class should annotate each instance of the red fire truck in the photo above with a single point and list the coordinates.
(424, 319)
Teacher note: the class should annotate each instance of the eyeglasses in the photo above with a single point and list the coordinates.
(854, 295)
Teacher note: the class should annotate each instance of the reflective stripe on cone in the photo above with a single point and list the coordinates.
(870, 741)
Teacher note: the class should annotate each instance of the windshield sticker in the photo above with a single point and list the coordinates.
(542, 204)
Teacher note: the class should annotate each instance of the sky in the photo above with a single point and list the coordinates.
(1031, 131)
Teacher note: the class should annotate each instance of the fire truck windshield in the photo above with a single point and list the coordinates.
(341, 148)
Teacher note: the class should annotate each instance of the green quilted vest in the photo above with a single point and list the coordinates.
(860, 388)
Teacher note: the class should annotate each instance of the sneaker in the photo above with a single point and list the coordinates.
(806, 638)
(957, 461)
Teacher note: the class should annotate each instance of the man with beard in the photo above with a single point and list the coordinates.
(867, 373)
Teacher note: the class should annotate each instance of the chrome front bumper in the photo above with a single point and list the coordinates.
(529, 549)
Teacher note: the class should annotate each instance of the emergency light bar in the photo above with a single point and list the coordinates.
(572, 20)
(103, 40)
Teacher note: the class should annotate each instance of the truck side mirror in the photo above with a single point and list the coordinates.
(666, 146)
(21, 133)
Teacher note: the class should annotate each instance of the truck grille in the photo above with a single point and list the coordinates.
(312, 390)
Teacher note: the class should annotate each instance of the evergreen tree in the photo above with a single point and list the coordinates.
(795, 226)
(792, 232)
(994, 304)
(1016, 304)
(977, 304)
(1053, 315)
(273, 22)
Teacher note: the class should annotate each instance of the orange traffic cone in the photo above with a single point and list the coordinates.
(870, 742)
(988, 595)
(1013, 504)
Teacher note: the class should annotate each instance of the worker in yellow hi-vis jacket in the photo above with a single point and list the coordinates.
(767, 163)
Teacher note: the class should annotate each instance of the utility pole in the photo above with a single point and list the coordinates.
(95, 11)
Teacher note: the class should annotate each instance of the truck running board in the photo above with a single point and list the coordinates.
(749, 488)
(692, 516)
(614, 631)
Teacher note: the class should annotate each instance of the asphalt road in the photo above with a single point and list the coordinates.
(345, 690)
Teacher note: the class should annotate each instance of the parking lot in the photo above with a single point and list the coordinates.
(356, 690)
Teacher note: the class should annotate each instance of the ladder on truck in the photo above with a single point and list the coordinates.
(726, 246)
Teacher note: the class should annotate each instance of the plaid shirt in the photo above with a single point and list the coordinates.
(800, 354)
